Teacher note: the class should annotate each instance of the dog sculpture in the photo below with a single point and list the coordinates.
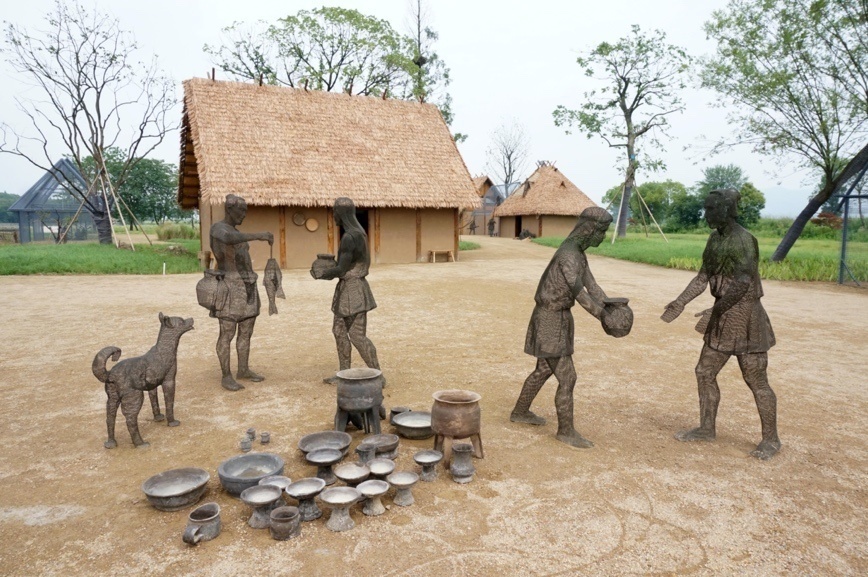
(126, 381)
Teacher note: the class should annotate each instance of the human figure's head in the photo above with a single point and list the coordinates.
(590, 229)
(345, 214)
(721, 206)
(236, 209)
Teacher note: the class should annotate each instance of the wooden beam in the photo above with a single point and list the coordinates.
(282, 215)
(418, 235)
(330, 222)
(456, 224)
(376, 235)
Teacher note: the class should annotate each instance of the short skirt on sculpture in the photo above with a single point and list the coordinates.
(550, 333)
(352, 296)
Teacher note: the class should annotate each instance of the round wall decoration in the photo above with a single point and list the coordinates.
(298, 219)
(311, 224)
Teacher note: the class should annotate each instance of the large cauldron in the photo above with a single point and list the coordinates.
(456, 414)
(359, 389)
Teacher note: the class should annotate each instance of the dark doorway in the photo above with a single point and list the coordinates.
(517, 226)
(362, 216)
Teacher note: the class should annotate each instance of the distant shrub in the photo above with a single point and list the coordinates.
(175, 230)
(829, 220)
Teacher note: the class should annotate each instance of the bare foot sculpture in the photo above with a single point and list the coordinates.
(737, 325)
(566, 280)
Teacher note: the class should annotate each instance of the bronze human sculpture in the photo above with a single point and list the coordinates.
(353, 298)
(240, 308)
(126, 382)
(566, 280)
(737, 324)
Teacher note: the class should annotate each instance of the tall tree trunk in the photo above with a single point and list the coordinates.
(629, 183)
(795, 230)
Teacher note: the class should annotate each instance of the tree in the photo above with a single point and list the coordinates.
(643, 75)
(655, 194)
(719, 177)
(7, 200)
(750, 204)
(429, 74)
(507, 154)
(793, 86)
(336, 49)
(685, 210)
(96, 96)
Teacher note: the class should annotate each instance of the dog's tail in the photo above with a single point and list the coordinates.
(100, 360)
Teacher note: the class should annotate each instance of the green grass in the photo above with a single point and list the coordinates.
(467, 245)
(94, 258)
(810, 259)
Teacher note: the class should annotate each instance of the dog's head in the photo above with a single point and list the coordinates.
(176, 324)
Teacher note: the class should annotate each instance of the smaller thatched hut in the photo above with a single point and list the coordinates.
(546, 204)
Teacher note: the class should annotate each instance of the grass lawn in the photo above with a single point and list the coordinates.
(467, 245)
(808, 260)
(95, 258)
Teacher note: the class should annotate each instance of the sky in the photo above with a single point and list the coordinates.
(510, 60)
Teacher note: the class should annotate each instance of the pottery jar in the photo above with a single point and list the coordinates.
(359, 389)
(617, 318)
(285, 523)
(456, 413)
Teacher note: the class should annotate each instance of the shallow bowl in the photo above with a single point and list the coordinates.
(259, 495)
(414, 424)
(373, 488)
(305, 488)
(325, 440)
(381, 467)
(175, 489)
(428, 457)
(243, 471)
(324, 457)
(352, 473)
(402, 479)
(385, 442)
(340, 496)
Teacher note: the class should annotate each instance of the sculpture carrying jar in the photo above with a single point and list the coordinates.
(360, 392)
(456, 414)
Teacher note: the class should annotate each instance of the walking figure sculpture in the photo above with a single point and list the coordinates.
(737, 324)
(238, 314)
(353, 298)
(566, 280)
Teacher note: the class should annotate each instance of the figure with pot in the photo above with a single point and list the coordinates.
(566, 280)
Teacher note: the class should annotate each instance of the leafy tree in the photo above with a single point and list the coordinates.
(750, 205)
(720, 176)
(793, 74)
(685, 210)
(96, 96)
(338, 50)
(644, 75)
(7, 200)
(656, 195)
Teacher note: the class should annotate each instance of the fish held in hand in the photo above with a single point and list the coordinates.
(273, 284)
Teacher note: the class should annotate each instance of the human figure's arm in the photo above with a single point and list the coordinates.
(745, 267)
(591, 298)
(695, 288)
(231, 235)
(344, 260)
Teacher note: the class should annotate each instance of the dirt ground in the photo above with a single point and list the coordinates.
(639, 502)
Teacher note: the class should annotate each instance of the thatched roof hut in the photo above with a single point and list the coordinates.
(546, 204)
(295, 151)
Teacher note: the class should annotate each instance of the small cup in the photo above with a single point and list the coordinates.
(203, 524)
(251, 433)
(246, 444)
(265, 437)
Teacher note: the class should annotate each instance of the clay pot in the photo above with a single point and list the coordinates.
(617, 318)
(456, 413)
(322, 263)
(285, 523)
(359, 389)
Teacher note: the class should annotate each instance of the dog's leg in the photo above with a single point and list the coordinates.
(169, 398)
(131, 404)
(111, 413)
(155, 405)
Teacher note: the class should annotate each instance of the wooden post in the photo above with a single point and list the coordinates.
(282, 217)
(457, 223)
(376, 235)
(418, 235)
(330, 225)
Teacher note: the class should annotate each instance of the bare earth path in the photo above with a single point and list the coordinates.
(639, 502)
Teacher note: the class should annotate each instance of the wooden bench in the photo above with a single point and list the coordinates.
(432, 255)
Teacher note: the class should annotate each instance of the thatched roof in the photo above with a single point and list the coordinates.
(482, 183)
(284, 146)
(546, 191)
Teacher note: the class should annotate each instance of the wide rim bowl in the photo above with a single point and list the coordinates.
(457, 397)
(325, 440)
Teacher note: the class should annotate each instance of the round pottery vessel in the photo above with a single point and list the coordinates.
(384, 442)
(359, 389)
(285, 523)
(304, 491)
(352, 473)
(373, 490)
(203, 524)
(456, 413)
(381, 467)
(262, 498)
(244, 471)
(617, 318)
(339, 500)
(413, 424)
(175, 489)
(279, 481)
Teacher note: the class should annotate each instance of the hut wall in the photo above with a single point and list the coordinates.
(262, 219)
(438, 231)
(555, 225)
(302, 245)
(507, 227)
(397, 236)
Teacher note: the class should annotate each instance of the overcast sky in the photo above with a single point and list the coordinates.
(509, 59)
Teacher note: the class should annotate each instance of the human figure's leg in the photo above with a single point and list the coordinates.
(242, 345)
(709, 365)
(532, 385)
(565, 373)
(224, 343)
(357, 328)
(340, 329)
(753, 368)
